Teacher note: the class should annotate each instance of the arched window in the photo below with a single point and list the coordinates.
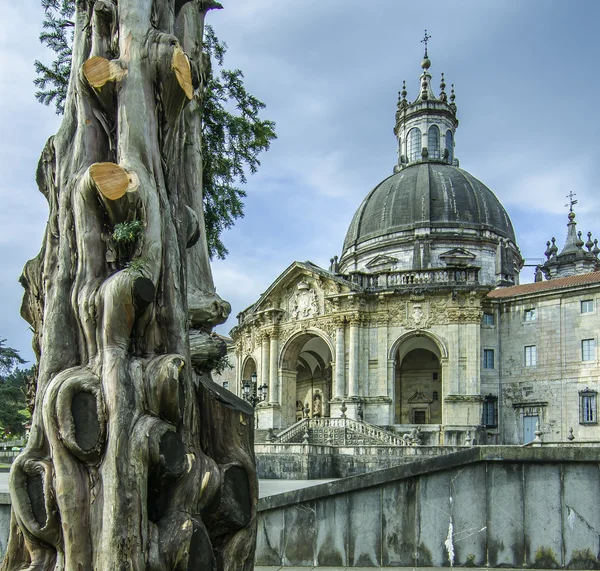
(450, 145)
(433, 142)
(413, 145)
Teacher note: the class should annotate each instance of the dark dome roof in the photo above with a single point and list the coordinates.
(428, 195)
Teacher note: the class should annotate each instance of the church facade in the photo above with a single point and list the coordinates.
(421, 322)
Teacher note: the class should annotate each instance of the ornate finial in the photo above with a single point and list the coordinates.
(443, 95)
(452, 95)
(424, 86)
(404, 93)
(579, 243)
(548, 253)
(571, 202)
(554, 247)
(425, 40)
(596, 250)
(589, 244)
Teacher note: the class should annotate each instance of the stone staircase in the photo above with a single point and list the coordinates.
(338, 432)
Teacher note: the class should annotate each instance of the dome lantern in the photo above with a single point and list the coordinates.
(425, 128)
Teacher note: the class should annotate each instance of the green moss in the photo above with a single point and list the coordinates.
(470, 562)
(545, 559)
(583, 559)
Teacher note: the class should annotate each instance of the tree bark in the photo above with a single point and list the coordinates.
(135, 461)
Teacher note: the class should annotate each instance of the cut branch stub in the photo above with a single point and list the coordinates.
(110, 179)
(98, 71)
(183, 71)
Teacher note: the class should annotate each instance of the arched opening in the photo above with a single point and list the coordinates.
(433, 142)
(306, 378)
(413, 144)
(450, 146)
(248, 371)
(418, 382)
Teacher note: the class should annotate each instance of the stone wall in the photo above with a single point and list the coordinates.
(302, 462)
(548, 389)
(485, 506)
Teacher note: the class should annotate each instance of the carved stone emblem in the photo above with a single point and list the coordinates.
(419, 314)
(305, 302)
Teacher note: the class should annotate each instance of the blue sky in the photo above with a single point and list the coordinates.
(526, 80)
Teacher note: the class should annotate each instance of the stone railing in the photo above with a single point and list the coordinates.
(339, 432)
(291, 433)
(407, 278)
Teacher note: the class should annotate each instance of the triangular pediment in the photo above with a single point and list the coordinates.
(457, 256)
(420, 397)
(381, 261)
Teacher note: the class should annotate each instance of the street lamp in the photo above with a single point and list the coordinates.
(252, 393)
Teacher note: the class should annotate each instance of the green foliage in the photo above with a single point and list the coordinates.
(218, 366)
(57, 34)
(13, 383)
(233, 132)
(9, 359)
(127, 232)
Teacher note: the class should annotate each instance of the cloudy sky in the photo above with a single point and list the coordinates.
(527, 84)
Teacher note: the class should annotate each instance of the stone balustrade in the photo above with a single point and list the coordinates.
(339, 432)
(429, 277)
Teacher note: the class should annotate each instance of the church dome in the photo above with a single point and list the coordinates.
(434, 196)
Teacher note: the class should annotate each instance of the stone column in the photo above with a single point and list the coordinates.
(274, 354)
(353, 359)
(391, 388)
(238, 375)
(264, 360)
(339, 391)
(382, 358)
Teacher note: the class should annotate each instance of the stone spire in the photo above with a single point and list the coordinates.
(425, 127)
(572, 259)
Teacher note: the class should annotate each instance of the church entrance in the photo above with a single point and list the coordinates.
(418, 383)
(306, 375)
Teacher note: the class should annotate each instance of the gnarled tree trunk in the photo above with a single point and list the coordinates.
(136, 460)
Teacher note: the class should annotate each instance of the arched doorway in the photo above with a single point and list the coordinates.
(306, 378)
(248, 370)
(418, 382)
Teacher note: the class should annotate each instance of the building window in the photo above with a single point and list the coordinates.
(488, 319)
(419, 417)
(530, 356)
(413, 146)
(490, 411)
(450, 146)
(529, 315)
(225, 384)
(488, 358)
(588, 350)
(435, 395)
(587, 407)
(433, 142)
(587, 306)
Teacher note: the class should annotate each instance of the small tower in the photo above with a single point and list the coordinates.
(573, 259)
(425, 128)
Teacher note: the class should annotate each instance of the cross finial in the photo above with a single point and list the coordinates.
(571, 202)
(425, 39)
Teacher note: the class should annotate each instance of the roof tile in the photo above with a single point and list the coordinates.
(548, 285)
